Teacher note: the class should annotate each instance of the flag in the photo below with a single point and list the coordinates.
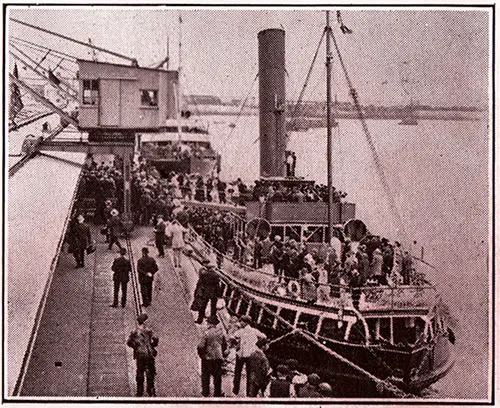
(16, 104)
(343, 27)
(52, 78)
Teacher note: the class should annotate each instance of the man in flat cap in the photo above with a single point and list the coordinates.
(143, 340)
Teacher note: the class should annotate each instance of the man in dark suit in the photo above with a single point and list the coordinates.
(121, 274)
(114, 229)
(146, 267)
(81, 238)
(207, 289)
(160, 236)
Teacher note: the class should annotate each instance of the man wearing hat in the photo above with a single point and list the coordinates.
(81, 238)
(121, 274)
(143, 340)
(114, 228)
(310, 388)
(207, 289)
(212, 349)
(159, 231)
(146, 268)
(246, 339)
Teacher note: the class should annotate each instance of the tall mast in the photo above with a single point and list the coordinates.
(179, 69)
(329, 57)
(179, 88)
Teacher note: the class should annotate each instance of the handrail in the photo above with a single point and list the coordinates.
(375, 297)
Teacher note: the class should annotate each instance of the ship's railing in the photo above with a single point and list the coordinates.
(366, 298)
(169, 153)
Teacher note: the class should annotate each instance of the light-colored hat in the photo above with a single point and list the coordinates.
(114, 212)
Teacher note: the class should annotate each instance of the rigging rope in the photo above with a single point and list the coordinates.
(371, 144)
(308, 76)
(242, 107)
(71, 58)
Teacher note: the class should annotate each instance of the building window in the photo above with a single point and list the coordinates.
(90, 91)
(149, 97)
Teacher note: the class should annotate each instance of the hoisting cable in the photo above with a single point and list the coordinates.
(308, 76)
(132, 60)
(378, 165)
(240, 112)
(32, 45)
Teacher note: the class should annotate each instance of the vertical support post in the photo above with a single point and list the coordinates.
(329, 58)
(127, 196)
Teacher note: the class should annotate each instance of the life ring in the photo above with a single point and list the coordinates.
(293, 288)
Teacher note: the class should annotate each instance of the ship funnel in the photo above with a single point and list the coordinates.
(272, 102)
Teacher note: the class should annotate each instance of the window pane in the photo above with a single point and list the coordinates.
(308, 322)
(242, 310)
(234, 301)
(289, 316)
(333, 329)
(293, 232)
(267, 317)
(385, 329)
(276, 231)
(357, 334)
(149, 97)
(313, 234)
(254, 311)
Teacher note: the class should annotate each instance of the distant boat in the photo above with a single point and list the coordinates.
(303, 124)
(410, 115)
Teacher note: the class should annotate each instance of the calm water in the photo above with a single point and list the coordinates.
(438, 173)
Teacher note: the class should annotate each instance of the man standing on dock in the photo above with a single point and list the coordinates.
(121, 274)
(246, 338)
(146, 268)
(159, 231)
(81, 238)
(212, 350)
(143, 341)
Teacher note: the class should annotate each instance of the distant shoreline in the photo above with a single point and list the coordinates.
(320, 121)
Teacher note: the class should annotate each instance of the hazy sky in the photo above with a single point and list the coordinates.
(443, 53)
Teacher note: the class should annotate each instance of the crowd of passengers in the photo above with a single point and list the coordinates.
(102, 183)
(374, 261)
(175, 150)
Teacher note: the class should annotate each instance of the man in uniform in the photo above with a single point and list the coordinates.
(143, 341)
(146, 267)
(121, 274)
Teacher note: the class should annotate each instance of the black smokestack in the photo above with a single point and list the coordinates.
(272, 102)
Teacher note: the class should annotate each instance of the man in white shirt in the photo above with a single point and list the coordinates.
(177, 232)
(247, 338)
